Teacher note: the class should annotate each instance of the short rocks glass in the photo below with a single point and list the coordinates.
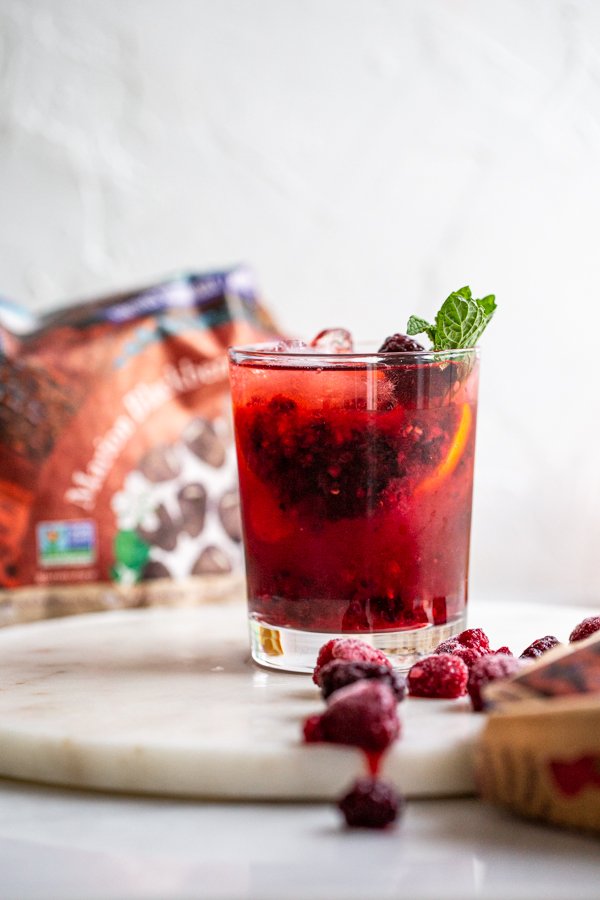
(356, 478)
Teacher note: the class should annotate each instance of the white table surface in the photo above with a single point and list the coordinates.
(71, 844)
(60, 843)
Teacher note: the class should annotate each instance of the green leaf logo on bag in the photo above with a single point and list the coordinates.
(131, 555)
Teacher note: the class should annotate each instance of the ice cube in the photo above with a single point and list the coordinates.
(285, 346)
(333, 340)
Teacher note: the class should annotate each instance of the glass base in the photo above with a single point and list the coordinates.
(290, 650)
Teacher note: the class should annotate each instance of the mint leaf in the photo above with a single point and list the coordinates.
(464, 292)
(459, 323)
(488, 304)
(420, 326)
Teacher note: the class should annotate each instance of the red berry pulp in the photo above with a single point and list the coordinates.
(356, 484)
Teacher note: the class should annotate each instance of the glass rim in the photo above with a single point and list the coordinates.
(266, 351)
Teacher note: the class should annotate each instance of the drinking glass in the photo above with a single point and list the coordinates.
(356, 480)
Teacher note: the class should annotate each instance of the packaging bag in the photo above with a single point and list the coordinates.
(118, 482)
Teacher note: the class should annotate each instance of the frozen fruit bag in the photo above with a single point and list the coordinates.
(118, 481)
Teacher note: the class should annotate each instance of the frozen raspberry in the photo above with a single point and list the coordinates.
(469, 645)
(351, 649)
(443, 676)
(474, 637)
(399, 343)
(503, 651)
(539, 647)
(362, 714)
(340, 673)
(371, 804)
(585, 628)
(492, 667)
(311, 730)
(453, 648)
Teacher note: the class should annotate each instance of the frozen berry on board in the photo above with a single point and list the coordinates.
(486, 669)
(540, 646)
(364, 707)
(363, 715)
(584, 629)
(441, 676)
(350, 650)
(340, 672)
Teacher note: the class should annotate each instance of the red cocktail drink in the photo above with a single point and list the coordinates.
(356, 474)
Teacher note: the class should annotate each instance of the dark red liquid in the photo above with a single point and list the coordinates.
(356, 489)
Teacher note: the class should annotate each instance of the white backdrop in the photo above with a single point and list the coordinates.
(365, 157)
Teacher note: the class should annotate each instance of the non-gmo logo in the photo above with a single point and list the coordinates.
(66, 543)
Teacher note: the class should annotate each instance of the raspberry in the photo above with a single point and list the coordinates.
(442, 676)
(350, 649)
(492, 667)
(474, 637)
(340, 673)
(371, 804)
(362, 714)
(453, 648)
(469, 645)
(503, 651)
(311, 730)
(540, 646)
(585, 628)
(399, 343)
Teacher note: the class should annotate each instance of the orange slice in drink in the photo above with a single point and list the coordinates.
(452, 457)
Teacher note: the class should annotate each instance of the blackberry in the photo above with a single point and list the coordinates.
(492, 667)
(585, 628)
(537, 648)
(371, 804)
(422, 385)
(339, 673)
(399, 343)
(362, 714)
(339, 471)
(349, 650)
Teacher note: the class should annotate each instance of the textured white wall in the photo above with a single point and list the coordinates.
(365, 157)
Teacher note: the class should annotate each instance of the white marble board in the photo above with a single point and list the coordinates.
(168, 702)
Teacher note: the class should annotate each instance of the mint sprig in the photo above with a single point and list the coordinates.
(459, 323)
